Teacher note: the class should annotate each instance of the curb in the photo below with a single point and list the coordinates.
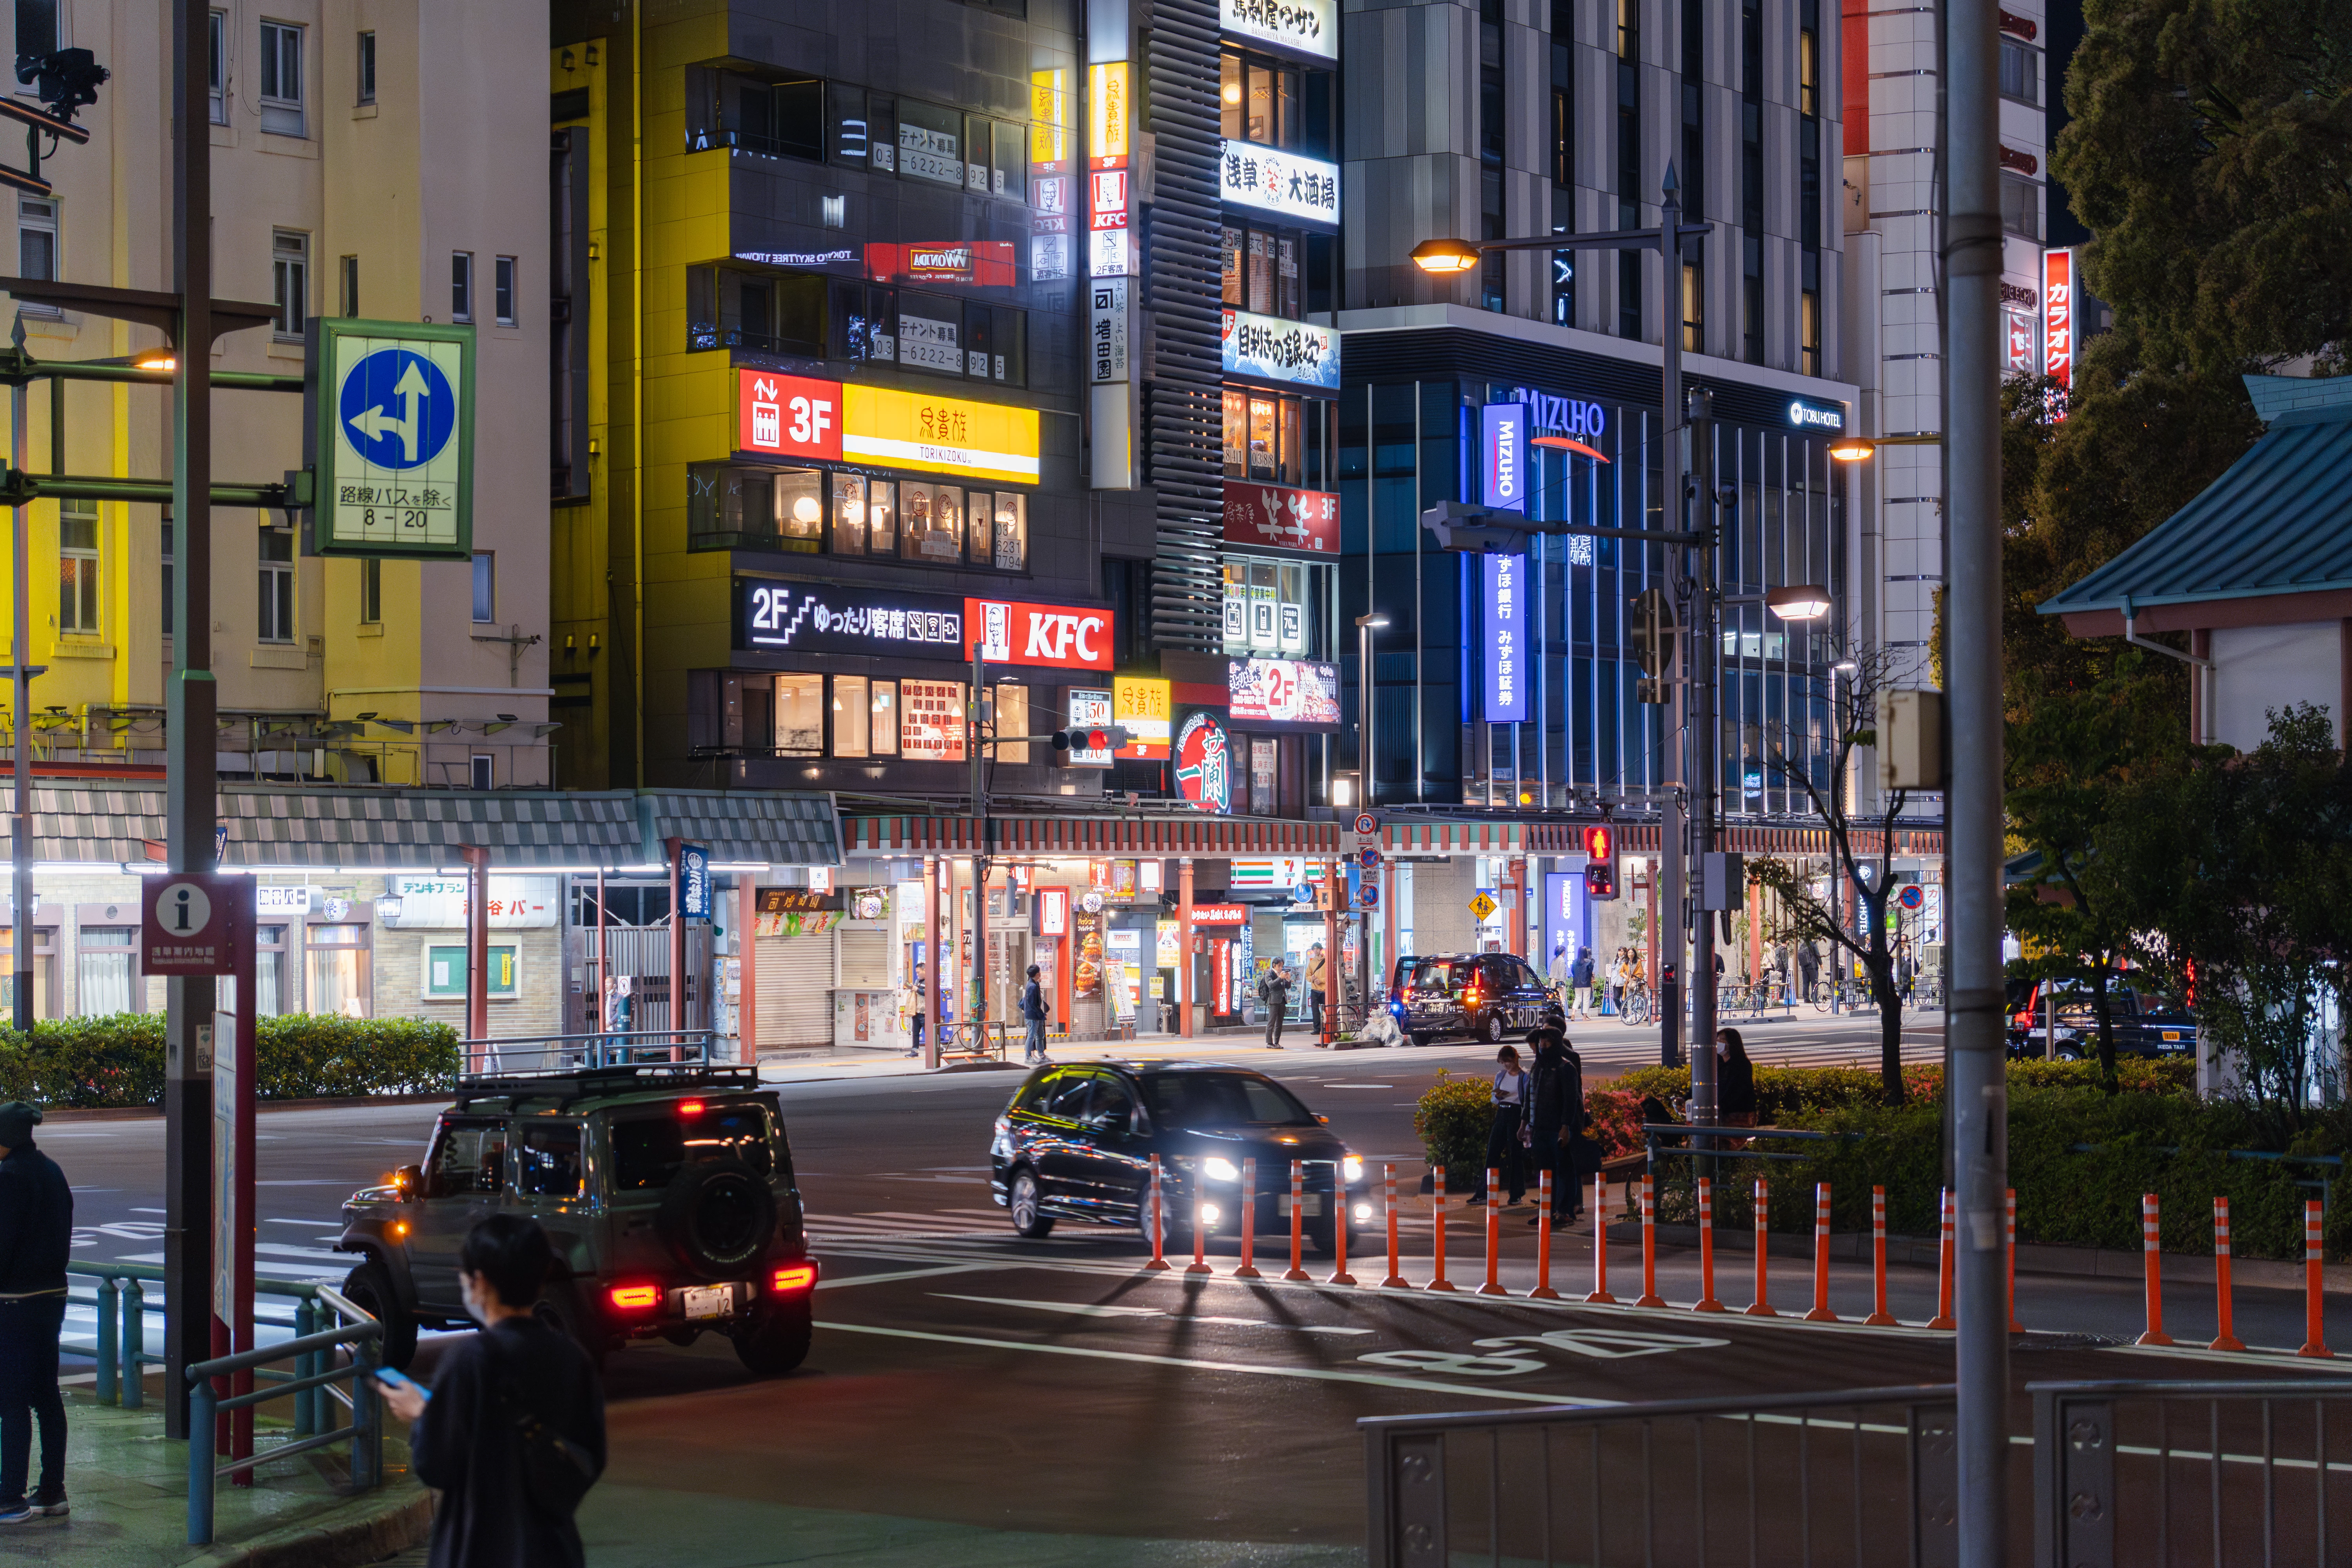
(402, 1518)
(340, 1102)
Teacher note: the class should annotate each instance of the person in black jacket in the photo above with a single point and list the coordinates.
(35, 1236)
(466, 1441)
(1735, 1081)
(1555, 1115)
(1032, 1017)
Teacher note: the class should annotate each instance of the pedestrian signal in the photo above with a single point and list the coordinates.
(1600, 861)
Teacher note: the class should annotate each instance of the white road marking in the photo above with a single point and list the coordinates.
(1307, 1373)
(1076, 1308)
(849, 1280)
(1606, 1344)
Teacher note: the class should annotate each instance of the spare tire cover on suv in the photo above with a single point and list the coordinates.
(715, 1217)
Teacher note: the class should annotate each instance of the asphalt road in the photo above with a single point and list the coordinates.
(964, 1379)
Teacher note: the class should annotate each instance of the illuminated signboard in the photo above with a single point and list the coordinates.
(1204, 758)
(2017, 334)
(832, 617)
(1280, 182)
(2058, 316)
(1503, 430)
(1812, 414)
(1057, 636)
(986, 262)
(1109, 113)
(1143, 709)
(1506, 642)
(1221, 915)
(1087, 707)
(1051, 907)
(1283, 691)
(1050, 201)
(787, 416)
(1311, 27)
(1267, 347)
(940, 435)
(1274, 516)
(931, 721)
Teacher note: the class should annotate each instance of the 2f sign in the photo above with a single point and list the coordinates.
(788, 415)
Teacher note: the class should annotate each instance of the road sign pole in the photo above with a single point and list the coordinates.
(22, 934)
(192, 705)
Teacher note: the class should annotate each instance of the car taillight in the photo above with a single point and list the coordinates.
(636, 1298)
(799, 1277)
(689, 1108)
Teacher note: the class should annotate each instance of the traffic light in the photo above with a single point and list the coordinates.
(1093, 737)
(1600, 862)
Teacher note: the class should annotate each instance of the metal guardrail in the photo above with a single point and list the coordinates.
(573, 1053)
(1856, 1477)
(117, 1296)
(358, 1330)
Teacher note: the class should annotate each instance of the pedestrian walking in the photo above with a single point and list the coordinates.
(1735, 1081)
(512, 1433)
(1318, 975)
(1556, 1117)
(1274, 991)
(1503, 1142)
(1558, 975)
(911, 1004)
(36, 1235)
(1579, 978)
(1034, 1014)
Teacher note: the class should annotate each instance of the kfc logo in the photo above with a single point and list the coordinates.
(1053, 636)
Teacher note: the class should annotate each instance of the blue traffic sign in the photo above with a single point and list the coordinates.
(1368, 858)
(1912, 897)
(1303, 894)
(397, 408)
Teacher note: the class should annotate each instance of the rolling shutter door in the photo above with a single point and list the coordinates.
(865, 959)
(795, 990)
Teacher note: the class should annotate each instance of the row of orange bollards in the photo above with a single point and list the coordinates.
(2314, 1343)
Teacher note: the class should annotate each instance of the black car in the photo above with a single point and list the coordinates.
(1076, 1143)
(2144, 1025)
(1485, 996)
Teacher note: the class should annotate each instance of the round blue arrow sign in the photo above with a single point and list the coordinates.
(398, 409)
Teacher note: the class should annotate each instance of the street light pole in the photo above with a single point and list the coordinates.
(23, 931)
(1365, 625)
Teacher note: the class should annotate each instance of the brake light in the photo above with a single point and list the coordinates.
(689, 1108)
(1471, 995)
(636, 1298)
(800, 1277)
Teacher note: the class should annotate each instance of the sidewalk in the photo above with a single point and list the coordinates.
(129, 1486)
(1246, 1043)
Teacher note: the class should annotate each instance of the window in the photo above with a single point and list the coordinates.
(932, 528)
(466, 1157)
(36, 27)
(800, 509)
(335, 971)
(647, 1155)
(281, 79)
(1221, 1102)
(2021, 207)
(102, 969)
(168, 569)
(289, 275)
(78, 566)
(485, 585)
(547, 1162)
(2021, 72)
(461, 286)
(1809, 334)
(1808, 73)
(445, 972)
(1012, 719)
(371, 591)
(883, 731)
(269, 997)
(1259, 100)
(848, 514)
(217, 65)
(277, 607)
(930, 142)
(350, 277)
(800, 715)
(1012, 532)
(502, 290)
(37, 244)
(881, 516)
(367, 67)
(853, 715)
(1267, 607)
(1275, 438)
(482, 771)
(1693, 309)
(847, 135)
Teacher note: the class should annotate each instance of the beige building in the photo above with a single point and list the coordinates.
(369, 159)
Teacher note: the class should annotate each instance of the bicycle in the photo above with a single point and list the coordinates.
(1637, 1006)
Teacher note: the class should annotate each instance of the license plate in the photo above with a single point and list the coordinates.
(1311, 1205)
(2171, 1033)
(714, 1302)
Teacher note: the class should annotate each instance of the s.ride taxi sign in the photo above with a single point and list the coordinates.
(391, 433)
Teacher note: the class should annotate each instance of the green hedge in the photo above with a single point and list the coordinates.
(1452, 1118)
(119, 1060)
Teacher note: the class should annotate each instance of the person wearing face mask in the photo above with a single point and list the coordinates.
(512, 1433)
(1735, 1081)
(36, 1234)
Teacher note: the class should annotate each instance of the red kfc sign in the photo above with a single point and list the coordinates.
(788, 415)
(1274, 517)
(1058, 636)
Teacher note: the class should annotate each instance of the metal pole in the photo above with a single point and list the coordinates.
(1979, 1083)
(192, 705)
(1672, 913)
(983, 713)
(23, 934)
(671, 849)
(1699, 422)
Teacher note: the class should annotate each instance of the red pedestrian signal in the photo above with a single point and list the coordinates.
(1600, 862)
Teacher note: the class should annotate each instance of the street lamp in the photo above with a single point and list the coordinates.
(1365, 627)
(1798, 602)
(1444, 257)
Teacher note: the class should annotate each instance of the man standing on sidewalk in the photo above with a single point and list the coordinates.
(1579, 979)
(1273, 991)
(1318, 974)
(36, 1234)
(1033, 1013)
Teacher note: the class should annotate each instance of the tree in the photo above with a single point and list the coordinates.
(1803, 915)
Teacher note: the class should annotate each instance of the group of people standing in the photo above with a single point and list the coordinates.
(1576, 979)
(1539, 1124)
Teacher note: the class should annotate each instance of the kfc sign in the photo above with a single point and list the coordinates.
(1058, 636)
(1271, 517)
(787, 416)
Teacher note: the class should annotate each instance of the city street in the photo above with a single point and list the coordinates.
(965, 1380)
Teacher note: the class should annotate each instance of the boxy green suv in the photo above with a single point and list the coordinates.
(666, 1190)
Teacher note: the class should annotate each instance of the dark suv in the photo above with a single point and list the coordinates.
(2144, 1025)
(1076, 1143)
(1485, 996)
(667, 1191)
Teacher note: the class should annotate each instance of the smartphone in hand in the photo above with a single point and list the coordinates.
(391, 1379)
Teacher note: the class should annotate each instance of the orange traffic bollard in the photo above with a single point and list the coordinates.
(1388, 1180)
(2152, 1254)
(1437, 1213)
(1820, 1312)
(1297, 1220)
(1706, 1302)
(2227, 1340)
(1493, 1287)
(1543, 1290)
(1339, 1275)
(1762, 1306)
(2315, 1341)
(1943, 1317)
(1248, 1270)
(1158, 1225)
(1880, 1317)
(1650, 1297)
(1600, 1291)
(1199, 1229)
(2009, 1233)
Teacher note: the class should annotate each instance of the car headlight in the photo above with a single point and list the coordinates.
(1351, 1170)
(1217, 1168)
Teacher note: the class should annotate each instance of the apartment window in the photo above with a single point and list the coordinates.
(1693, 309)
(277, 618)
(103, 970)
(461, 286)
(486, 582)
(36, 27)
(281, 79)
(502, 290)
(2021, 73)
(350, 285)
(1809, 52)
(217, 65)
(485, 770)
(289, 274)
(2021, 207)
(36, 246)
(371, 591)
(367, 67)
(78, 566)
(1810, 329)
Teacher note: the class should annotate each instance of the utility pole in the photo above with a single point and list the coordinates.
(983, 714)
(22, 933)
(1699, 425)
(192, 705)
(1977, 1083)
(1673, 897)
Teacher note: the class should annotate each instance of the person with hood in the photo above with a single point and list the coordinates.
(1554, 1116)
(35, 1238)
(1735, 1081)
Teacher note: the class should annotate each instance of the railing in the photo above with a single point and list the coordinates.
(586, 1053)
(360, 1332)
(1854, 1478)
(118, 1346)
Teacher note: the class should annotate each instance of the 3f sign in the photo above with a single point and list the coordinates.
(810, 419)
(788, 414)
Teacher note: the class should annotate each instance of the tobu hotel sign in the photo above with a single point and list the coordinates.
(1275, 517)
(1055, 636)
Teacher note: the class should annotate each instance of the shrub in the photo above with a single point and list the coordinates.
(1452, 1118)
(119, 1060)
